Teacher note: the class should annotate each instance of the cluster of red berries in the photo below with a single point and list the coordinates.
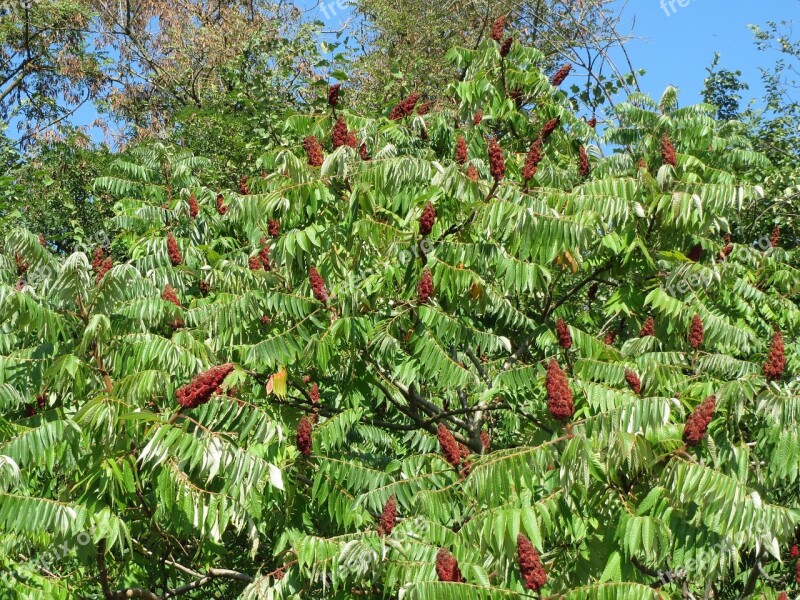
(203, 386)
(472, 172)
(633, 381)
(22, 265)
(405, 107)
(696, 253)
(341, 136)
(461, 150)
(427, 219)
(477, 118)
(584, 168)
(333, 94)
(204, 286)
(317, 285)
(221, 206)
(244, 189)
(313, 150)
(170, 295)
(563, 334)
(697, 424)
(263, 254)
(388, 516)
(668, 156)
(449, 446)
(726, 251)
(194, 207)
(274, 227)
(648, 328)
(97, 258)
(530, 566)
(172, 249)
(532, 160)
(794, 551)
(561, 75)
(549, 128)
(266, 319)
(313, 393)
(486, 441)
(362, 151)
(425, 286)
(783, 596)
(104, 268)
(696, 333)
(254, 263)
(505, 46)
(592, 122)
(447, 567)
(559, 395)
(424, 108)
(498, 28)
(776, 361)
(775, 238)
(304, 436)
(610, 337)
(497, 164)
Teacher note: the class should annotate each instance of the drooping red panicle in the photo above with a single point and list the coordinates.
(203, 386)
(425, 286)
(530, 566)
(244, 189)
(505, 46)
(584, 168)
(668, 156)
(97, 258)
(105, 267)
(170, 295)
(776, 361)
(317, 285)
(648, 328)
(559, 394)
(498, 28)
(172, 249)
(339, 134)
(562, 332)
(221, 207)
(633, 381)
(561, 75)
(427, 219)
(549, 128)
(696, 253)
(304, 436)
(405, 107)
(472, 173)
(447, 567)
(696, 332)
(449, 446)
(333, 94)
(532, 160)
(696, 425)
(775, 238)
(477, 118)
(461, 150)
(486, 441)
(497, 164)
(388, 516)
(313, 149)
(194, 207)
(274, 227)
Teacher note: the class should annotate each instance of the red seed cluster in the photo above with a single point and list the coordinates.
(472, 173)
(203, 386)
(517, 97)
(424, 108)
(477, 118)
(244, 189)
(172, 249)
(405, 107)
(313, 150)
(696, 253)
(105, 267)
(642, 165)
(697, 424)
(696, 332)
(170, 295)
(633, 381)
(564, 337)
(313, 393)
(775, 238)
(263, 254)
(559, 396)
(317, 285)
(339, 134)
(449, 446)
(362, 151)
(427, 219)
(668, 156)
(726, 251)
(776, 361)
(648, 328)
(194, 207)
(498, 28)
(794, 551)
(461, 150)
(304, 436)
(592, 122)
(203, 286)
(221, 206)
(22, 264)
(610, 337)
(532, 160)
(274, 227)
(333, 94)
(388, 516)
(549, 128)
(561, 75)
(584, 168)
(486, 441)
(505, 46)
(783, 596)
(425, 286)
(97, 258)
(447, 567)
(255, 263)
(530, 566)
(266, 319)
(497, 164)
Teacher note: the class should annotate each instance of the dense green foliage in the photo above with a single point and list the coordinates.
(132, 495)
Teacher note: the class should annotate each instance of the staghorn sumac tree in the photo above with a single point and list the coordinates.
(321, 428)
